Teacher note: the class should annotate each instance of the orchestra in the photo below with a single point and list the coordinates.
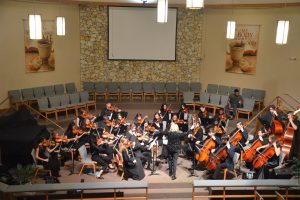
(208, 144)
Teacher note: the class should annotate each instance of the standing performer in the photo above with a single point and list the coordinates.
(173, 147)
(235, 101)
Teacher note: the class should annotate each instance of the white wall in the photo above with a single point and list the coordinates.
(275, 72)
(12, 55)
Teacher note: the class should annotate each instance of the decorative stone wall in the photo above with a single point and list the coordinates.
(94, 49)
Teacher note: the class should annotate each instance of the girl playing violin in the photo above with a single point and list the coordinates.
(157, 122)
(204, 116)
(132, 165)
(46, 154)
(165, 115)
(183, 115)
(263, 172)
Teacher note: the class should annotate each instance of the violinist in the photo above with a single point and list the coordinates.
(228, 162)
(46, 154)
(235, 101)
(263, 172)
(220, 130)
(157, 122)
(165, 114)
(121, 124)
(133, 167)
(204, 116)
(139, 148)
(221, 118)
(139, 121)
(183, 115)
(107, 112)
(101, 152)
(195, 137)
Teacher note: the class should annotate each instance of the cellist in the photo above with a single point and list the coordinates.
(242, 143)
(195, 137)
(228, 162)
(268, 118)
(295, 124)
(263, 172)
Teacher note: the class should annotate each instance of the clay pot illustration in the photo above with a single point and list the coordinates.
(236, 52)
(44, 47)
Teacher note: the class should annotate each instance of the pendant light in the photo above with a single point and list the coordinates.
(194, 4)
(162, 11)
(231, 26)
(35, 27)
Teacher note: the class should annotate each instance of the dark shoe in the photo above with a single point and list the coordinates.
(173, 177)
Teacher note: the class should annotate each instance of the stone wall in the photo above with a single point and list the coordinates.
(94, 48)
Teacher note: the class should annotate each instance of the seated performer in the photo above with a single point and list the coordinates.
(157, 122)
(228, 162)
(235, 101)
(268, 118)
(263, 172)
(242, 143)
(139, 121)
(46, 154)
(183, 115)
(204, 116)
(195, 137)
(133, 167)
(221, 118)
(101, 152)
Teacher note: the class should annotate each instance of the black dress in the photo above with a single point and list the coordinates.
(131, 169)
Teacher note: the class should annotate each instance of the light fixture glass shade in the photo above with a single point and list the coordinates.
(282, 32)
(35, 27)
(162, 11)
(230, 30)
(194, 4)
(60, 26)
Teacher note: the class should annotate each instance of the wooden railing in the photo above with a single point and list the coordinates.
(9, 190)
(252, 185)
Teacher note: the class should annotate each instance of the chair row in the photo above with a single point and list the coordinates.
(217, 101)
(64, 103)
(140, 89)
(29, 95)
(258, 95)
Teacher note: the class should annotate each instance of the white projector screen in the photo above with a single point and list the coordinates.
(134, 34)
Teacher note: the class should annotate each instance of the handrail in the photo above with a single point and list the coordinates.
(278, 195)
(293, 98)
(2, 102)
(40, 114)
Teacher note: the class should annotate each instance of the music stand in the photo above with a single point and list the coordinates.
(194, 161)
(154, 157)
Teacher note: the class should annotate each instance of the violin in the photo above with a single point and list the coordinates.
(122, 121)
(100, 141)
(77, 131)
(48, 143)
(222, 117)
(179, 121)
(88, 116)
(141, 120)
(61, 139)
(185, 110)
(150, 129)
(143, 138)
(114, 109)
(129, 144)
(91, 126)
(218, 130)
(107, 135)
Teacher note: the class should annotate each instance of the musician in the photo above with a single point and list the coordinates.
(157, 122)
(183, 115)
(139, 121)
(204, 116)
(268, 118)
(165, 114)
(101, 152)
(262, 135)
(218, 129)
(46, 154)
(221, 118)
(140, 150)
(212, 134)
(120, 127)
(235, 101)
(173, 147)
(133, 167)
(242, 142)
(295, 123)
(195, 137)
(107, 112)
(228, 162)
(263, 173)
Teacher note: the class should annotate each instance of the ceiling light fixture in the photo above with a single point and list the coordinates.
(194, 4)
(162, 11)
(35, 27)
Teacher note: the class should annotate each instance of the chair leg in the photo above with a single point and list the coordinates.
(122, 176)
(81, 169)
(36, 172)
(235, 174)
(94, 166)
(50, 173)
(225, 173)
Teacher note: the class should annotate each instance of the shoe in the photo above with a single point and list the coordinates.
(173, 177)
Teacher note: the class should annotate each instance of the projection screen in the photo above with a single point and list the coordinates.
(134, 34)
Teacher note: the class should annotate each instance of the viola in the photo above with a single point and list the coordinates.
(250, 153)
(262, 158)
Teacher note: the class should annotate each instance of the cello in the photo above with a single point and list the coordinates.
(250, 153)
(216, 159)
(288, 138)
(262, 158)
(208, 145)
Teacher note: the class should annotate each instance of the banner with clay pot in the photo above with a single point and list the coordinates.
(39, 54)
(241, 52)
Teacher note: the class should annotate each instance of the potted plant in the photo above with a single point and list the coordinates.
(24, 174)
